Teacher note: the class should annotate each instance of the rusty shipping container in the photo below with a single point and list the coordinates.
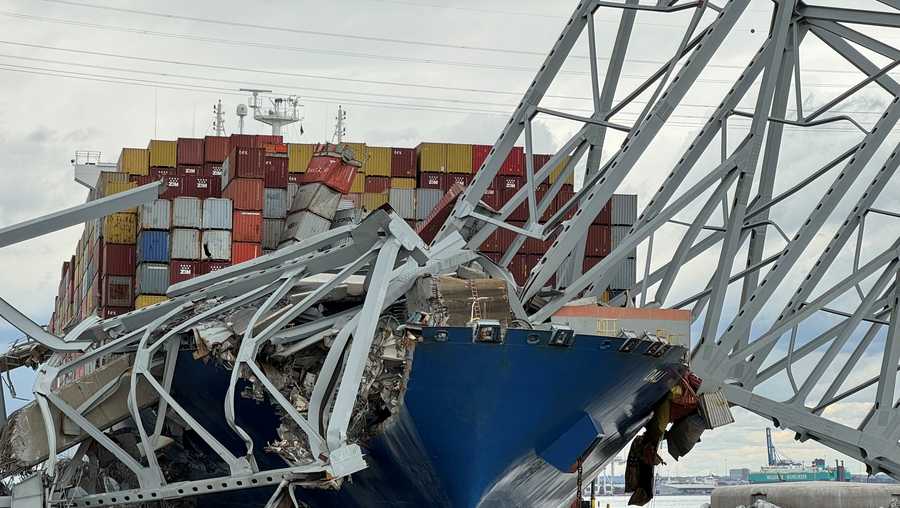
(403, 162)
(187, 212)
(120, 228)
(275, 204)
(118, 259)
(244, 251)
(185, 244)
(215, 149)
(190, 151)
(134, 161)
(216, 245)
(245, 194)
(271, 233)
(163, 154)
(247, 226)
(182, 270)
(217, 213)
(118, 290)
(332, 171)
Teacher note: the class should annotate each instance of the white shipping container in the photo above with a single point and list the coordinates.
(618, 234)
(348, 217)
(152, 279)
(187, 212)
(426, 200)
(185, 244)
(155, 215)
(345, 204)
(275, 204)
(271, 233)
(302, 225)
(317, 198)
(217, 213)
(403, 201)
(216, 245)
(624, 209)
(624, 275)
(292, 189)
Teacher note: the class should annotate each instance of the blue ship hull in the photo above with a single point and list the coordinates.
(490, 425)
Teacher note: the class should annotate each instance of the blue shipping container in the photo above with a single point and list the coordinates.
(153, 247)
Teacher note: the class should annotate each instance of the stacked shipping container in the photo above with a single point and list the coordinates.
(227, 200)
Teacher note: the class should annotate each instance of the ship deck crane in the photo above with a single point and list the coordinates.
(756, 283)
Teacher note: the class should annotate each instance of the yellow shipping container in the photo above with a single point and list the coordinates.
(373, 201)
(299, 156)
(134, 161)
(163, 154)
(432, 157)
(403, 183)
(360, 152)
(558, 170)
(147, 300)
(459, 159)
(379, 161)
(117, 187)
(359, 184)
(120, 228)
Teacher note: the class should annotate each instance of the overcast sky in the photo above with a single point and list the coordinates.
(82, 78)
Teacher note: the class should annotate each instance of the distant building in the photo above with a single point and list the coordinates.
(739, 475)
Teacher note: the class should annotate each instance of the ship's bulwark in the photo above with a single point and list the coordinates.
(480, 421)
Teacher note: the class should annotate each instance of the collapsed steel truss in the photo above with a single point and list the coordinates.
(735, 349)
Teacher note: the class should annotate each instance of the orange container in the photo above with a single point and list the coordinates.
(244, 251)
(246, 226)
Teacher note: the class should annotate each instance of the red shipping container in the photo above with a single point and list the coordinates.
(242, 251)
(189, 151)
(191, 170)
(111, 312)
(246, 163)
(508, 187)
(540, 193)
(493, 256)
(212, 266)
(294, 178)
(403, 162)
(599, 241)
(160, 173)
(172, 187)
(213, 169)
(429, 228)
(275, 148)
(215, 149)
(201, 186)
(247, 226)
(514, 165)
(518, 268)
(492, 244)
(605, 216)
(268, 139)
(331, 171)
(180, 271)
(245, 194)
(241, 141)
(118, 259)
(141, 180)
(431, 181)
(451, 179)
(378, 184)
(492, 198)
(566, 193)
(590, 262)
(540, 159)
(275, 170)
